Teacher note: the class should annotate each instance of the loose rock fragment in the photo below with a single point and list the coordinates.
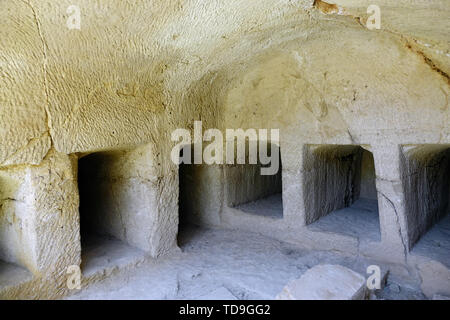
(326, 282)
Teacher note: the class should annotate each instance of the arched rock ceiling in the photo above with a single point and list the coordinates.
(138, 69)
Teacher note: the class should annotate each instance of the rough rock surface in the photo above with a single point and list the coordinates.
(248, 265)
(137, 70)
(435, 278)
(326, 282)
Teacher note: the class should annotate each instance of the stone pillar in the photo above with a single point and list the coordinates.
(390, 202)
(293, 188)
(163, 234)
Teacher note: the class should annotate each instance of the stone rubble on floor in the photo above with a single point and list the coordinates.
(326, 282)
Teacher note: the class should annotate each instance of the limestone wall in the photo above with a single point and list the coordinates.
(137, 70)
(118, 196)
(426, 179)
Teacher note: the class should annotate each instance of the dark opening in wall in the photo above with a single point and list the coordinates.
(340, 190)
(109, 210)
(252, 192)
(426, 181)
(203, 188)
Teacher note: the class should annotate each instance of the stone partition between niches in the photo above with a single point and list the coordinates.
(425, 172)
(39, 215)
(118, 196)
(15, 224)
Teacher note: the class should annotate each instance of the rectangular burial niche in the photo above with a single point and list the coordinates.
(13, 254)
(199, 198)
(113, 223)
(425, 173)
(340, 191)
(251, 192)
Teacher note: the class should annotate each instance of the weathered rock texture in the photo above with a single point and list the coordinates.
(333, 177)
(326, 282)
(245, 183)
(118, 198)
(426, 179)
(136, 70)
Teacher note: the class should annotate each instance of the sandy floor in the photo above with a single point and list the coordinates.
(221, 264)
